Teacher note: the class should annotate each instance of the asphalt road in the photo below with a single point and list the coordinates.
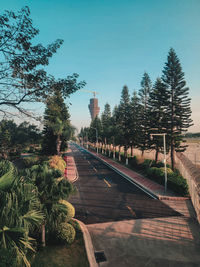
(105, 196)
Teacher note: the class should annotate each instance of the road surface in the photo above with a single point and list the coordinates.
(104, 196)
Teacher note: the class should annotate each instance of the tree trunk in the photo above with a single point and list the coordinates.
(119, 153)
(156, 156)
(43, 235)
(131, 151)
(58, 145)
(125, 151)
(172, 156)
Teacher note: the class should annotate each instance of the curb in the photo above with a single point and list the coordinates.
(160, 197)
(76, 171)
(88, 244)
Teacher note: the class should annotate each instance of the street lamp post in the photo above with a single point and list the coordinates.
(96, 137)
(165, 161)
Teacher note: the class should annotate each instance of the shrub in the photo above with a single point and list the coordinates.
(7, 174)
(57, 162)
(178, 184)
(157, 164)
(76, 225)
(146, 164)
(29, 162)
(65, 233)
(175, 181)
(70, 210)
(168, 170)
(123, 158)
(156, 174)
(133, 162)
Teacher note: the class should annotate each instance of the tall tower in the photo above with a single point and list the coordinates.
(93, 108)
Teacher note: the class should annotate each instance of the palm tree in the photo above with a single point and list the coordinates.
(19, 212)
(52, 188)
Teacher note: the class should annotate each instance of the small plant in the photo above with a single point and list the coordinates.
(57, 162)
(65, 233)
(70, 210)
(29, 162)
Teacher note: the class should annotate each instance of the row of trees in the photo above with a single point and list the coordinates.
(57, 130)
(163, 107)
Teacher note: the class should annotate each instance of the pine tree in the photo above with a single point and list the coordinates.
(95, 131)
(158, 101)
(56, 121)
(144, 92)
(179, 111)
(123, 119)
(134, 121)
(106, 124)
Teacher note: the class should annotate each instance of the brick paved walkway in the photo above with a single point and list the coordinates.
(70, 171)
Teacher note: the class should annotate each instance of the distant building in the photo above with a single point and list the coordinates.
(93, 108)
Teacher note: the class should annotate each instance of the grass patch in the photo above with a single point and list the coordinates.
(60, 256)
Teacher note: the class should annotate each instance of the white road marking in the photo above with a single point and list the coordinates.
(108, 184)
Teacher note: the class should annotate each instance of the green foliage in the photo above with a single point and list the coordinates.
(123, 120)
(19, 213)
(70, 210)
(133, 162)
(65, 233)
(144, 92)
(30, 161)
(76, 225)
(16, 139)
(178, 110)
(175, 181)
(52, 188)
(23, 78)
(57, 127)
(135, 110)
(147, 163)
(7, 174)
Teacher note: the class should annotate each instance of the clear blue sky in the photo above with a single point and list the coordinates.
(110, 43)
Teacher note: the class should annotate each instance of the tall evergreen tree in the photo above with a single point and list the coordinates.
(106, 124)
(95, 131)
(56, 120)
(116, 131)
(158, 101)
(123, 118)
(144, 92)
(134, 121)
(179, 111)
